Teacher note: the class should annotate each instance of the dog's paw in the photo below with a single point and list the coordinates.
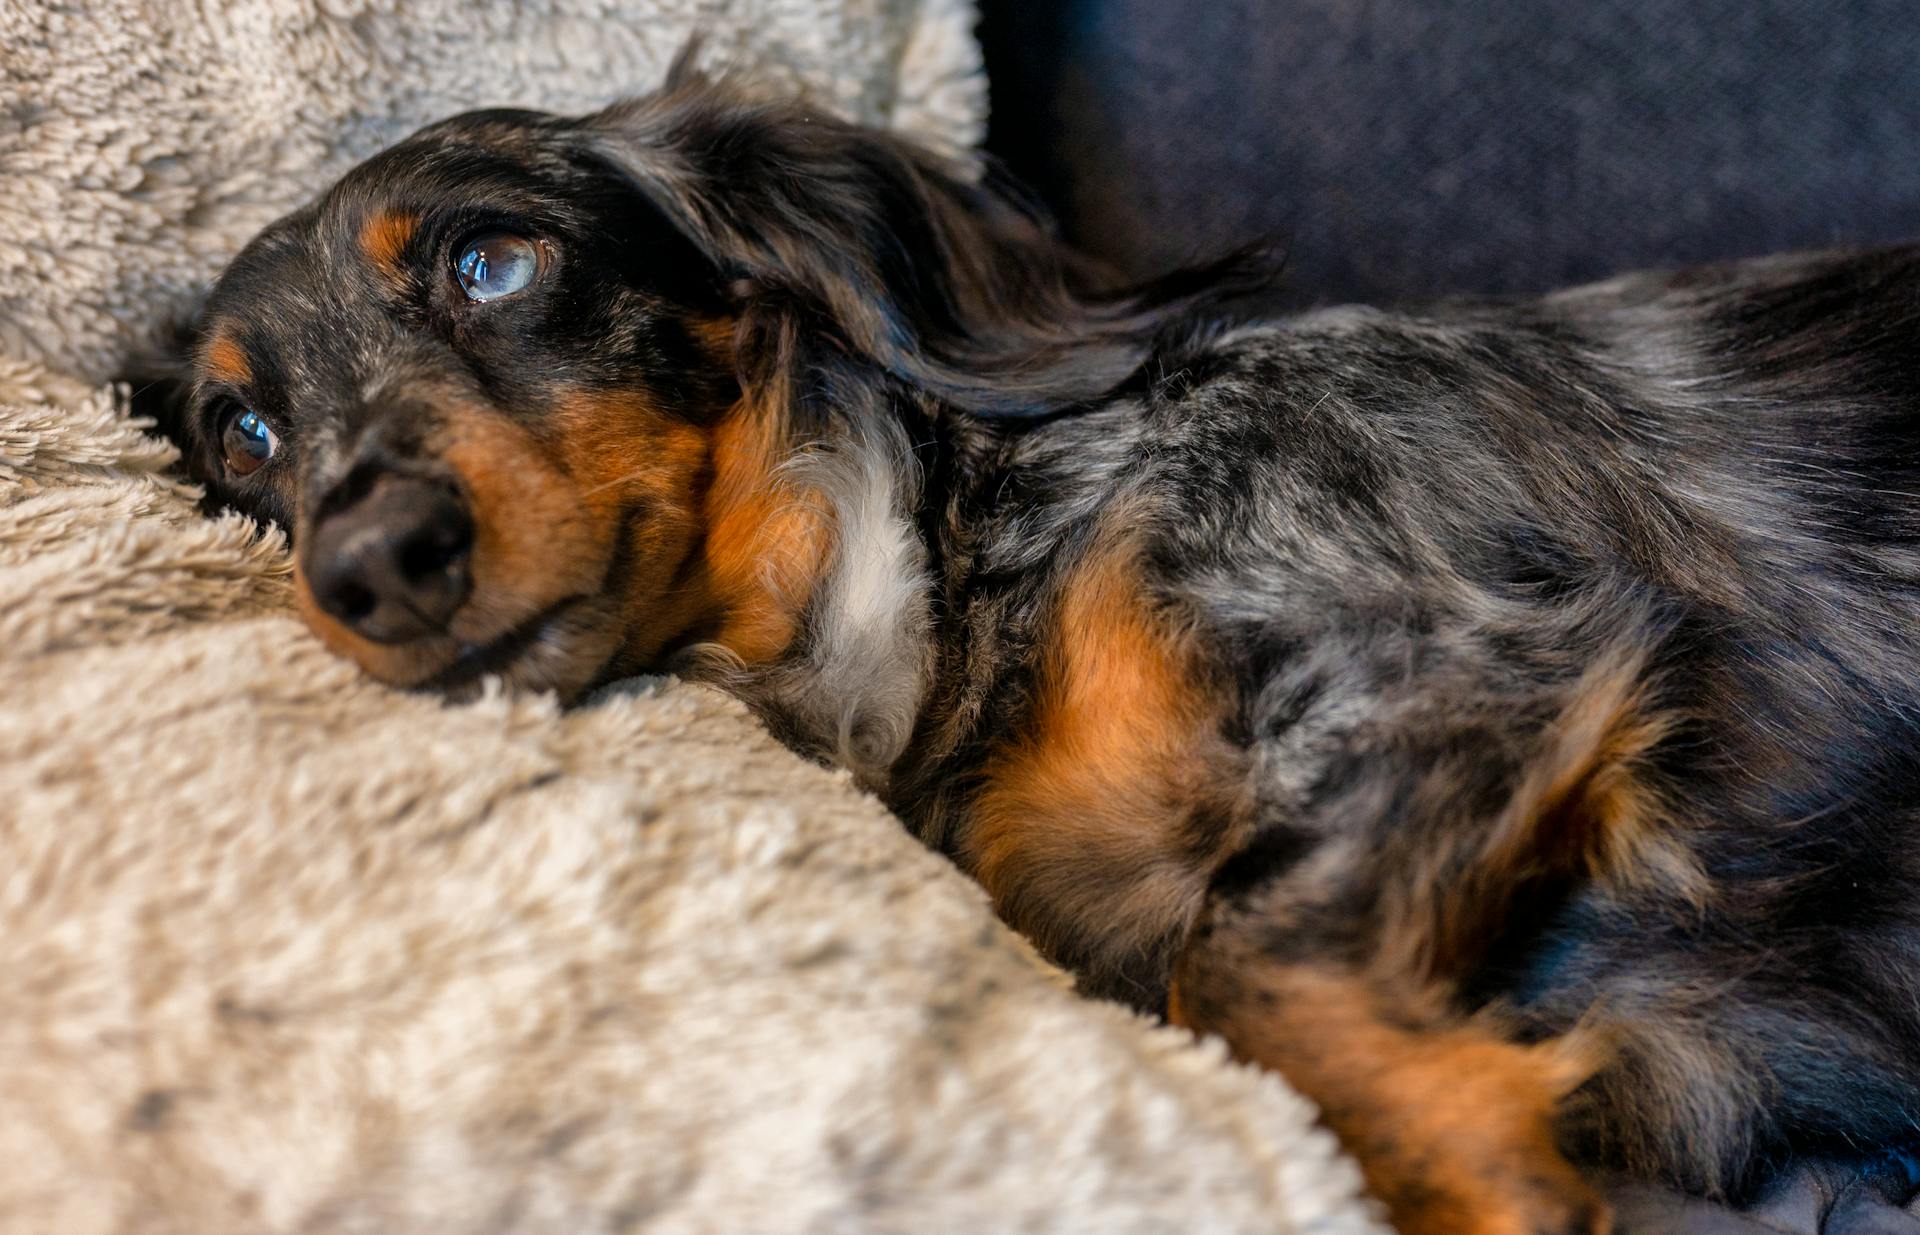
(1459, 1141)
(1495, 1176)
(1501, 1207)
(1453, 1127)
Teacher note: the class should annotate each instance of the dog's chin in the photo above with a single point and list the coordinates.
(565, 648)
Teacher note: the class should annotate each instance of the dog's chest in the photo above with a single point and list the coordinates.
(1073, 756)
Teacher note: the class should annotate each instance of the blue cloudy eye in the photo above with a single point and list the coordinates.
(496, 264)
(247, 442)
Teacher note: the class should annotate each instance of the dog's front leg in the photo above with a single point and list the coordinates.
(1333, 947)
(1452, 1126)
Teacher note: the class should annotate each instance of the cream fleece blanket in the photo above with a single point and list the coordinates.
(282, 950)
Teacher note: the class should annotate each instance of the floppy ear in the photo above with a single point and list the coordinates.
(954, 286)
(159, 378)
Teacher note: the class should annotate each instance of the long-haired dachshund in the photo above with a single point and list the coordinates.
(1502, 720)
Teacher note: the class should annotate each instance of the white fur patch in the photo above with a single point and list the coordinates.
(867, 665)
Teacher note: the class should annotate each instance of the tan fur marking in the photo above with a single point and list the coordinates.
(763, 542)
(1452, 1127)
(1085, 825)
(384, 236)
(717, 336)
(535, 539)
(768, 542)
(623, 452)
(226, 361)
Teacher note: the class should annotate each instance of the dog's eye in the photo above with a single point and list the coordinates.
(496, 264)
(247, 442)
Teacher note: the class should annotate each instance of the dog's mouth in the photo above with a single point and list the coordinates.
(498, 655)
(550, 650)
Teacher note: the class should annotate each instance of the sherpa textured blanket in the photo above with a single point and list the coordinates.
(282, 950)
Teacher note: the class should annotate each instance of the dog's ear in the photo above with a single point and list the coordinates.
(159, 378)
(952, 284)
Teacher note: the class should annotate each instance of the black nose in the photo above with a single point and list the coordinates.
(393, 565)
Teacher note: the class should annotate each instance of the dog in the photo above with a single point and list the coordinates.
(1502, 719)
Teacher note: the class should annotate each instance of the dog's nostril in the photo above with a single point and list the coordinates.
(350, 601)
(436, 549)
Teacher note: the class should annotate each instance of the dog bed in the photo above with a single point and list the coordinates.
(289, 951)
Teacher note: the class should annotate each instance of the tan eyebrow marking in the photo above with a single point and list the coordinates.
(384, 237)
(225, 360)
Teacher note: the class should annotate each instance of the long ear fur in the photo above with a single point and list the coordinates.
(159, 378)
(956, 288)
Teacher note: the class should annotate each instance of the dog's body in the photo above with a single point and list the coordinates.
(1503, 720)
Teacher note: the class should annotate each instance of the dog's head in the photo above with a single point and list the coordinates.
(524, 387)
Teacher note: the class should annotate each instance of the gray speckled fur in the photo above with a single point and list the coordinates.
(1407, 535)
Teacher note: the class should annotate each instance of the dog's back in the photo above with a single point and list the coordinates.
(1659, 536)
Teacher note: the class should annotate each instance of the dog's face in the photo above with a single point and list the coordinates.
(484, 380)
(523, 387)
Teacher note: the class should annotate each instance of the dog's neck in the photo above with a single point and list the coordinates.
(916, 500)
(908, 495)
(849, 688)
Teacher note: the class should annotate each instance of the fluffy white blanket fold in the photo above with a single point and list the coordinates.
(282, 950)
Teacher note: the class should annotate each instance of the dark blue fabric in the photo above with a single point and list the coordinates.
(1873, 1194)
(1415, 147)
